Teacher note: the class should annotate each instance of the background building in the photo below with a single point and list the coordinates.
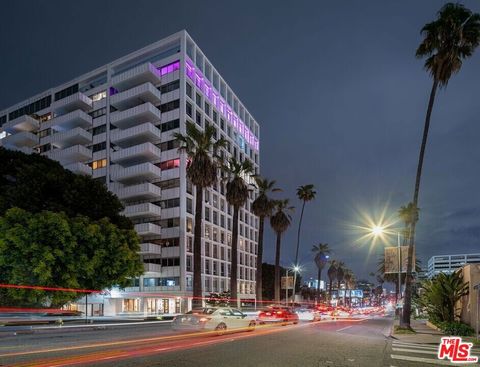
(116, 123)
(450, 263)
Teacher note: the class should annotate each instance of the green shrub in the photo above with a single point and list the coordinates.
(456, 328)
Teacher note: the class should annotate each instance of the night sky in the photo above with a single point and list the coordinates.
(335, 87)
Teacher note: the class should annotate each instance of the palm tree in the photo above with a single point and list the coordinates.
(280, 221)
(447, 41)
(304, 193)
(262, 207)
(332, 276)
(321, 252)
(409, 215)
(340, 275)
(202, 168)
(349, 283)
(236, 195)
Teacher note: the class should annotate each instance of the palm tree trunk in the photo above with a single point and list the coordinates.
(234, 268)
(197, 250)
(330, 290)
(277, 268)
(407, 304)
(298, 234)
(258, 276)
(318, 284)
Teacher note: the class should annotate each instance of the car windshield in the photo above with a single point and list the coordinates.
(205, 311)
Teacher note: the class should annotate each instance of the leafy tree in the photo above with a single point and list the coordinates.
(236, 195)
(441, 295)
(262, 207)
(221, 299)
(321, 252)
(447, 41)
(280, 221)
(340, 275)
(36, 183)
(202, 167)
(53, 250)
(349, 278)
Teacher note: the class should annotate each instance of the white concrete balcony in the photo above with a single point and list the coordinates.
(143, 210)
(146, 152)
(143, 172)
(71, 120)
(25, 150)
(76, 153)
(152, 268)
(148, 229)
(145, 92)
(136, 115)
(74, 102)
(79, 168)
(135, 76)
(150, 249)
(136, 135)
(76, 136)
(143, 191)
(21, 139)
(22, 123)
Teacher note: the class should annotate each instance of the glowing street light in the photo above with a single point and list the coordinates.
(377, 230)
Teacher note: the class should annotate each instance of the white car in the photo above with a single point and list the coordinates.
(308, 314)
(218, 319)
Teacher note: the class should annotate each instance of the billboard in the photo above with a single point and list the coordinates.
(391, 259)
(287, 281)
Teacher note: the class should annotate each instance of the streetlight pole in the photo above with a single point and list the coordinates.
(286, 288)
(399, 293)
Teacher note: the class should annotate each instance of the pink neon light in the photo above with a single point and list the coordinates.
(220, 103)
(170, 68)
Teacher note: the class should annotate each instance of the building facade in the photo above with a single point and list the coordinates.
(450, 263)
(116, 123)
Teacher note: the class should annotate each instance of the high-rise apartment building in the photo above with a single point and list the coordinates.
(450, 263)
(116, 123)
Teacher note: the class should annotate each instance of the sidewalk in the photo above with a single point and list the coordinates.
(424, 334)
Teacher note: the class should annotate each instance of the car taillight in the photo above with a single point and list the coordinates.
(268, 314)
(204, 319)
(279, 312)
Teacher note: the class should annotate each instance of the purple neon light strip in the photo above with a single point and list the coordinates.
(170, 68)
(220, 104)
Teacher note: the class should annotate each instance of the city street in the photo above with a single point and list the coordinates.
(355, 342)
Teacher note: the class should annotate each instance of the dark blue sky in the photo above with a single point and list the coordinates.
(334, 85)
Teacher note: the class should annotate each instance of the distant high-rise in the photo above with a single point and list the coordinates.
(116, 123)
(449, 263)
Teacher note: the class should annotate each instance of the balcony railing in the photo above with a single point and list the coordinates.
(146, 112)
(146, 152)
(74, 102)
(148, 229)
(143, 191)
(150, 249)
(135, 76)
(70, 120)
(22, 123)
(79, 168)
(21, 139)
(143, 210)
(144, 172)
(76, 153)
(152, 268)
(76, 136)
(136, 135)
(145, 92)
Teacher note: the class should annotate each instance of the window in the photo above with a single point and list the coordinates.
(66, 92)
(207, 214)
(44, 133)
(207, 249)
(207, 108)
(170, 125)
(189, 206)
(98, 113)
(189, 90)
(169, 106)
(189, 244)
(170, 203)
(222, 124)
(168, 145)
(198, 118)
(215, 116)
(98, 164)
(169, 184)
(44, 148)
(198, 100)
(188, 109)
(99, 129)
(170, 86)
(31, 108)
(99, 96)
(189, 225)
(98, 147)
(170, 222)
(167, 242)
(189, 263)
(172, 163)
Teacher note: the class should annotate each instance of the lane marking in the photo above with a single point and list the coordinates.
(414, 351)
(345, 328)
(422, 360)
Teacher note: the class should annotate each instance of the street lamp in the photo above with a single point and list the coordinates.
(378, 230)
(296, 269)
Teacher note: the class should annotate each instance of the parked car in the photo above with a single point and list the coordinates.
(218, 319)
(308, 314)
(277, 314)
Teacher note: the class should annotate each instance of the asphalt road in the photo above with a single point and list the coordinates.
(352, 343)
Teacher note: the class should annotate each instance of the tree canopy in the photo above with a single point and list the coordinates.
(54, 250)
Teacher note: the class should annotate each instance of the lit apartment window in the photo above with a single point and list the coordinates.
(98, 164)
(99, 96)
(173, 163)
